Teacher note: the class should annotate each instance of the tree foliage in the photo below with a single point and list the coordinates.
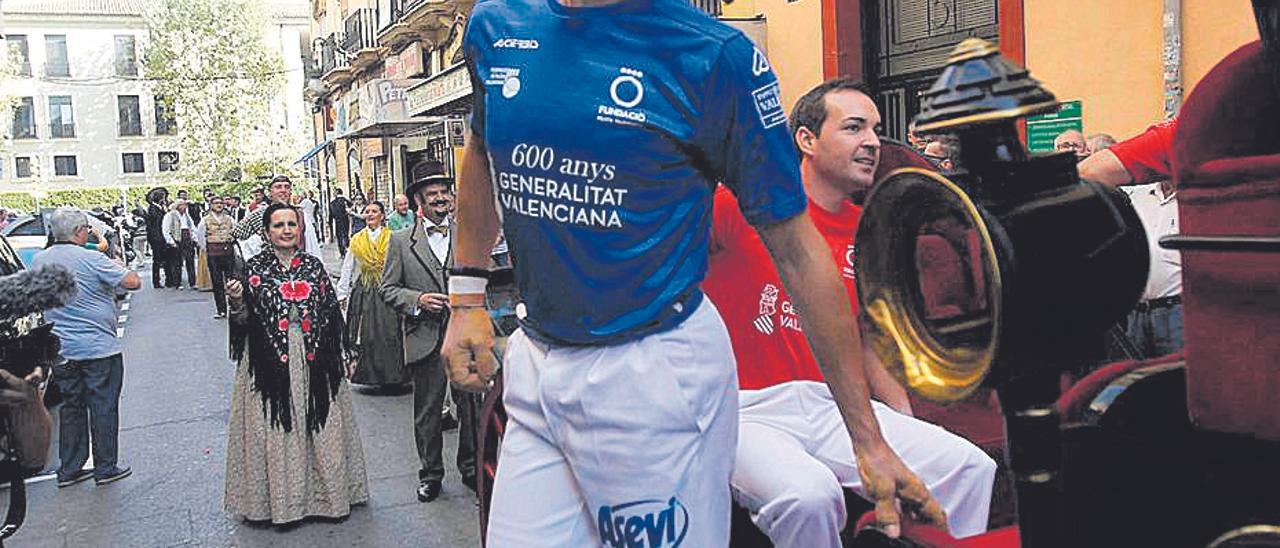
(10, 63)
(210, 64)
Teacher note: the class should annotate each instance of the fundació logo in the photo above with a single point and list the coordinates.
(644, 524)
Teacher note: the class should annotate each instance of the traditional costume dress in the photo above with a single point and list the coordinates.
(204, 282)
(372, 325)
(293, 449)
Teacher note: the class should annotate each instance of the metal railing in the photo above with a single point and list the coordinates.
(330, 56)
(710, 7)
(62, 130)
(361, 30)
(399, 8)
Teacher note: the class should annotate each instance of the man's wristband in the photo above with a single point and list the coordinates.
(466, 300)
(467, 285)
(470, 271)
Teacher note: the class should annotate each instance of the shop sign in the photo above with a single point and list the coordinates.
(1042, 129)
(373, 148)
(450, 85)
(380, 100)
(405, 64)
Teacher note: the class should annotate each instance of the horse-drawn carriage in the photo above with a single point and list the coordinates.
(984, 288)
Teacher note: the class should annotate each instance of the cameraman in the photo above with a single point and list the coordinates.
(30, 421)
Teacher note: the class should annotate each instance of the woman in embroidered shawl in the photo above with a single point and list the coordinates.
(372, 325)
(293, 450)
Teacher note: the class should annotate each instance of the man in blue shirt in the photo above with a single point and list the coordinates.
(91, 377)
(604, 126)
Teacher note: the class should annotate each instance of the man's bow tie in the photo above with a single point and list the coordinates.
(442, 230)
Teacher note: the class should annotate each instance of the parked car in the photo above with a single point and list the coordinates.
(29, 234)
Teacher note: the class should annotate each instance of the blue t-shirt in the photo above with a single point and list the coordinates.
(607, 129)
(86, 327)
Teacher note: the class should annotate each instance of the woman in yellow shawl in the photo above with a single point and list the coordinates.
(372, 325)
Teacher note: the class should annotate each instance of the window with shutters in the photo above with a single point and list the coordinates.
(130, 117)
(133, 162)
(55, 55)
(168, 161)
(22, 167)
(166, 122)
(21, 53)
(24, 118)
(62, 122)
(65, 166)
(126, 56)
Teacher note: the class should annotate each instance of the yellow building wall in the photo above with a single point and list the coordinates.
(794, 42)
(1108, 53)
(1216, 28)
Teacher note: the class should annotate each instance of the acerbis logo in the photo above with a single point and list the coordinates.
(644, 524)
(759, 63)
(515, 43)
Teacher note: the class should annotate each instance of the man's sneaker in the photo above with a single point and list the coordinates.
(77, 477)
(119, 474)
(428, 490)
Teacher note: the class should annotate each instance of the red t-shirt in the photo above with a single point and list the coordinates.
(1148, 157)
(767, 335)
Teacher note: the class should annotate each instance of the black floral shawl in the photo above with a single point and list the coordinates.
(270, 291)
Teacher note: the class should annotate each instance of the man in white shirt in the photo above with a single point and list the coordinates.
(1155, 325)
(179, 233)
(308, 207)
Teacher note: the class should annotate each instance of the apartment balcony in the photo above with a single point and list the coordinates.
(428, 21)
(361, 38)
(335, 68)
(710, 7)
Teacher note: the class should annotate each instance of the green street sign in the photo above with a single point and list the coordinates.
(1043, 128)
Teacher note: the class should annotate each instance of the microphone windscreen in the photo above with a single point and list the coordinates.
(36, 290)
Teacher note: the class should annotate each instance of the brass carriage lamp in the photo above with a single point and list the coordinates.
(1007, 273)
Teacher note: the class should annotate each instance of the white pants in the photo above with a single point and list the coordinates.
(623, 446)
(794, 455)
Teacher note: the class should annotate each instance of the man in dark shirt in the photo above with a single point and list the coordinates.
(341, 224)
(157, 206)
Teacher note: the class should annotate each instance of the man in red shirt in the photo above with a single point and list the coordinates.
(794, 453)
(1145, 161)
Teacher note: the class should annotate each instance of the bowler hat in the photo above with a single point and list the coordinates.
(418, 184)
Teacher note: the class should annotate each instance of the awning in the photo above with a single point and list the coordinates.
(313, 152)
(391, 128)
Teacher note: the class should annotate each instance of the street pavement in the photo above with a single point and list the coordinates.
(173, 423)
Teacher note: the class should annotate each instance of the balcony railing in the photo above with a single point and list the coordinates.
(361, 30)
(710, 7)
(62, 130)
(399, 8)
(330, 57)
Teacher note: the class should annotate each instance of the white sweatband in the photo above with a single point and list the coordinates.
(467, 285)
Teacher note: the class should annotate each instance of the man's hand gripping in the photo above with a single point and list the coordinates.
(468, 343)
(894, 489)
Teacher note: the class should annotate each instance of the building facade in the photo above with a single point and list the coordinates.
(84, 116)
(390, 90)
(1118, 59)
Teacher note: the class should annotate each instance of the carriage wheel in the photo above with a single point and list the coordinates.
(492, 426)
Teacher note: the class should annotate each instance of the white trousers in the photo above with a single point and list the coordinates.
(794, 455)
(629, 445)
